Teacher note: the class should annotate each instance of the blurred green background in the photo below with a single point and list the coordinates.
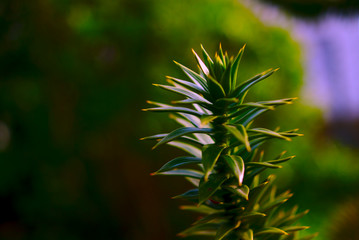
(74, 76)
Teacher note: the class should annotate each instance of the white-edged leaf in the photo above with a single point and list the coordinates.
(270, 230)
(196, 152)
(175, 110)
(177, 162)
(189, 85)
(239, 132)
(269, 133)
(236, 164)
(235, 66)
(246, 235)
(190, 194)
(242, 191)
(201, 63)
(225, 229)
(210, 155)
(183, 172)
(207, 229)
(203, 209)
(195, 77)
(179, 132)
(242, 88)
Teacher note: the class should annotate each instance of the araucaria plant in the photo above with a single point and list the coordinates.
(236, 198)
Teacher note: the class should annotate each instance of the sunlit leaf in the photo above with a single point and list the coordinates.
(201, 63)
(190, 194)
(252, 215)
(278, 201)
(235, 66)
(226, 80)
(175, 109)
(246, 235)
(211, 217)
(270, 230)
(189, 85)
(210, 155)
(206, 229)
(184, 92)
(180, 132)
(294, 228)
(177, 162)
(281, 160)
(263, 164)
(184, 173)
(225, 229)
(236, 164)
(198, 209)
(195, 77)
(293, 218)
(242, 88)
(205, 120)
(268, 132)
(242, 191)
(196, 152)
(240, 133)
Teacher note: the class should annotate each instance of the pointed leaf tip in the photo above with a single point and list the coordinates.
(236, 164)
(210, 155)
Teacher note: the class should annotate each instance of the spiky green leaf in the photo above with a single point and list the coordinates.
(184, 92)
(242, 88)
(201, 64)
(195, 77)
(196, 152)
(189, 86)
(225, 229)
(239, 132)
(177, 162)
(226, 80)
(199, 209)
(210, 155)
(206, 229)
(246, 234)
(281, 160)
(176, 110)
(215, 88)
(190, 194)
(236, 164)
(294, 228)
(213, 217)
(235, 66)
(184, 173)
(179, 132)
(270, 230)
(269, 133)
(205, 120)
(263, 164)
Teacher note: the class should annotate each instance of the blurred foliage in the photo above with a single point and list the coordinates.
(344, 220)
(74, 76)
(315, 8)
